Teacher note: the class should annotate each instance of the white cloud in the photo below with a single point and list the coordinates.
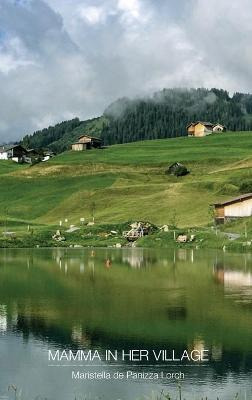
(13, 55)
(60, 59)
(224, 45)
(130, 7)
(91, 14)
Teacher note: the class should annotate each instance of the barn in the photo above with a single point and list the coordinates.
(237, 207)
(86, 142)
(177, 169)
(200, 129)
(15, 153)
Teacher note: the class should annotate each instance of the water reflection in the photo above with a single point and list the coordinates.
(130, 298)
(132, 257)
(237, 283)
(3, 318)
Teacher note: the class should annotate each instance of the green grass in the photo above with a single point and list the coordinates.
(7, 167)
(31, 199)
(128, 182)
(151, 152)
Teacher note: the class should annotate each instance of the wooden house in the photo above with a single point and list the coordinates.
(15, 153)
(86, 142)
(238, 207)
(199, 128)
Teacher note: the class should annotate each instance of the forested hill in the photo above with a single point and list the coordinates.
(162, 115)
(59, 138)
(167, 113)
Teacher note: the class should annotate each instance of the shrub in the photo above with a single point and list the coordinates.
(227, 188)
(246, 186)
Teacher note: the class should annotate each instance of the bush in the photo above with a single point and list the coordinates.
(246, 186)
(227, 188)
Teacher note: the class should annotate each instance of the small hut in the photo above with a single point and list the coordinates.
(177, 169)
(86, 142)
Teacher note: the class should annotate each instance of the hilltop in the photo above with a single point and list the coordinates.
(164, 114)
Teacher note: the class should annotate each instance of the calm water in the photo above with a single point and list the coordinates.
(140, 299)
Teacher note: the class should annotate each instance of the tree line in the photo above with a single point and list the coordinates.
(167, 113)
(164, 114)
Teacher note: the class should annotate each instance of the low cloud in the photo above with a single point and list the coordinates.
(60, 59)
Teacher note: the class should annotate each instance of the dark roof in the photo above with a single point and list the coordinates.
(175, 164)
(90, 137)
(201, 122)
(7, 148)
(224, 126)
(235, 199)
(191, 123)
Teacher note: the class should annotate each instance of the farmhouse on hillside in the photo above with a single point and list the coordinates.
(86, 142)
(15, 153)
(238, 207)
(199, 128)
(19, 154)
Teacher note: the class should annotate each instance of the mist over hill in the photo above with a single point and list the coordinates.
(164, 114)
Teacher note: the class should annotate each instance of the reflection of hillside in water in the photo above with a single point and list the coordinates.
(222, 361)
(166, 299)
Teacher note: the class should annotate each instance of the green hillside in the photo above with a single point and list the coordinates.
(165, 114)
(128, 182)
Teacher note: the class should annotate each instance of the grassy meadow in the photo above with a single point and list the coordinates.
(128, 182)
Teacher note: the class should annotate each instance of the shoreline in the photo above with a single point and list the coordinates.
(226, 237)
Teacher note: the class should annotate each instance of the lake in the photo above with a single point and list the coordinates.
(122, 299)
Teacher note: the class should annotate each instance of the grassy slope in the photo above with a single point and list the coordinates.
(218, 148)
(128, 182)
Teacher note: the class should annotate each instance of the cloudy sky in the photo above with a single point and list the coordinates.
(65, 58)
